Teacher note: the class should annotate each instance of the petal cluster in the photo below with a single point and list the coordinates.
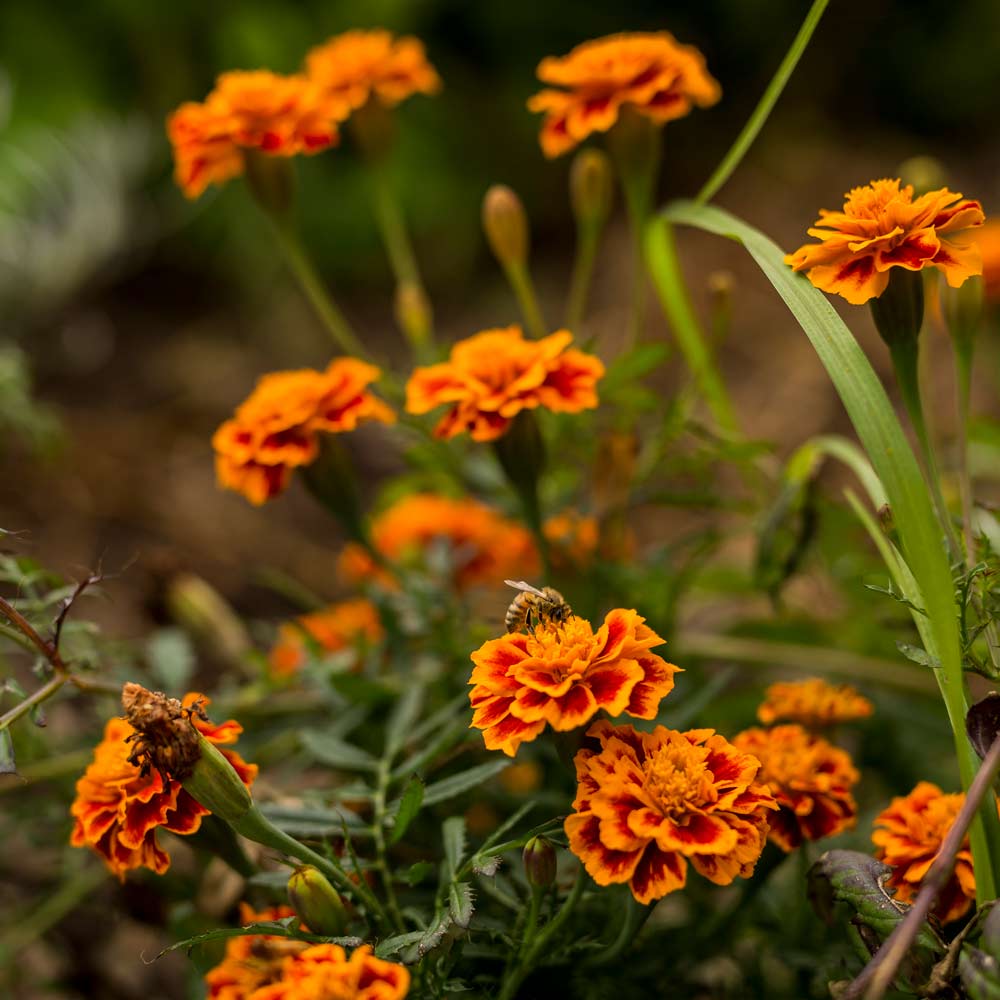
(252, 960)
(883, 226)
(358, 64)
(275, 429)
(810, 779)
(647, 804)
(323, 972)
(117, 811)
(908, 835)
(339, 626)
(491, 377)
(813, 703)
(483, 546)
(562, 675)
(257, 109)
(647, 71)
(988, 240)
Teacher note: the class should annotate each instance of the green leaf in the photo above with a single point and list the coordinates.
(403, 719)
(305, 821)
(917, 655)
(464, 781)
(633, 365)
(390, 946)
(284, 928)
(418, 873)
(461, 903)
(453, 837)
(360, 690)
(171, 658)
(409, 806)
(336, 753)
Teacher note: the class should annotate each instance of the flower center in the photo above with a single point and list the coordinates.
(677, 778)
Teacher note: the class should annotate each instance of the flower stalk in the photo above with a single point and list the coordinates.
(591, 194)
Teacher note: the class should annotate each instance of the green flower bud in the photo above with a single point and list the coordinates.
(413, 313)
(214, 784)
(539, 862)
(506, 226)
(591, 187)
(203, 612)
(925, 173)
(899, 311)
(316, 901)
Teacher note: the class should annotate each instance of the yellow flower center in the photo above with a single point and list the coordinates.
(677, 778)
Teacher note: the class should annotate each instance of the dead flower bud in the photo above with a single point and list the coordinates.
(165, 739)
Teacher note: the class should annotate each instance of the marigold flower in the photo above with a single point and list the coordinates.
(257, 109)
(254, 960)
(648, 803)
(274, 430)
(562, 675)
(648, 71)
(883, 226)
(332, 628)
(810, 779)
(908, 835)
(813, 703)
(117, 809)
(484, 545)
(353, 66)
(494, 375)
(988, 240)
(323, 972)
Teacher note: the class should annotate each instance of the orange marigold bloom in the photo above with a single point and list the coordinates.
(562, 675)
(647, 803)
(332, 628)
(648, 71)
(883, 226)
(810, 779)
(251, 961)
(484, 545)
(117, 810)
(908, 835)
(813, 703)
(278, 115)
(988, 239)
(323, 972)
(492, 376)
(353, 66)
(274, 430)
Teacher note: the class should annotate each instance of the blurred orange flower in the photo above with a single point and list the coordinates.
(274, 430)
(494, 375)
(810, 779)
(257, 109)
(883, 226)
(648, 71)
(908, 835)
(117, 811)
(323, 972)
(332, 628)
(484, 546)
(648, 803)
(988, 239)
(813, 703)
(562, 675)
(353, 66)
(253, 960)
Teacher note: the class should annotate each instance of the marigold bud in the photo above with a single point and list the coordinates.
(316, 901)
(413, 312)
(591, 187)
(539, 858)
(925, 173)
(899, 311)
(214, 784)
(505, 225)
(201, 610)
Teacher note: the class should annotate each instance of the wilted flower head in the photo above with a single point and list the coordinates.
(810, 779)
(336, 627)
(323, 972)
(484, 546)
(249, 110)
(275, 429)
(491, 377)
(252, 960)
(908, 835)
(358, 64)
(883, 226)
(647, 71)
(813, 703)
(649, 803)
(118, 808)
(562, 675)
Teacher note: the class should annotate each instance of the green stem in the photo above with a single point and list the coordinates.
(520, 281)
(314, 290)
(669, 283)
(392, 226)
(588, 241)
(382, 779)
(756, 121)
(963, 374)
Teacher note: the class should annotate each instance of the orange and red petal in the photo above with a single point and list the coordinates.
(509, 733)
(657, 874)
(856, 280)
(958, 261)
(605, 866)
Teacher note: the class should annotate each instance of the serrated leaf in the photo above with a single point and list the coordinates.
(918, 655)
(308, 821)
(418, 872)
(464, 781)
(453, 838)
(390, 946)
(336, 753)
(409, 806)
(461, 900)
(487, 865)
(284, 928)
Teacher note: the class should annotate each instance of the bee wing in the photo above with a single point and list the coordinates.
(526, 587)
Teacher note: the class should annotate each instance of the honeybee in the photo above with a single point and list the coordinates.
(532, 606)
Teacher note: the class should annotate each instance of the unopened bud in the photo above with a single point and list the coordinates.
(215, 785)
(203, 612)
(271, 180)
(925, 173)
(591, 187)
(539, 862)
(316, 902)
(505, 225)
(413, 313)
(899, 311)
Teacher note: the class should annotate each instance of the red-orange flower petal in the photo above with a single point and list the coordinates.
(323, 972)
(813, 703)
(336, 627)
